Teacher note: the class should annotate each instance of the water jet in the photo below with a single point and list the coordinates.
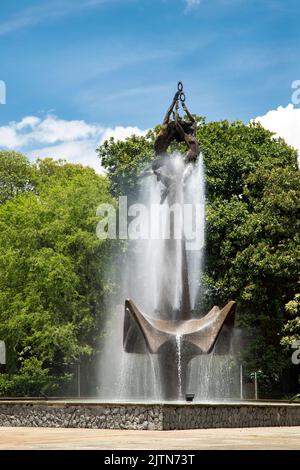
(171, 330)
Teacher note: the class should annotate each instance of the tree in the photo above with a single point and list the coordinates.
(252, 227)
(52, 274)
(16, 175)
(253, 237)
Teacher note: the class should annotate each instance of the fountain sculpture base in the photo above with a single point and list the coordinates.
(176, 341)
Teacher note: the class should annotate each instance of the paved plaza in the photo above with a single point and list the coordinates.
(66, 438)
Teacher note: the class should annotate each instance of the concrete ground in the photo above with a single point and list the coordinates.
(62, 438)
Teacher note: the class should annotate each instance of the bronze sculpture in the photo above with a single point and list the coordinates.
(187, 129)
(179, 130)
(168, 131)
(159, 336)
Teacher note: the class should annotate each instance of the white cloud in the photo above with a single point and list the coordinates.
(120, 133)
(29, 121)
(82, 152)
(74, 141)
(8, 138)
(31, 130)
(190, 4)
(52, 130)
(285, 122)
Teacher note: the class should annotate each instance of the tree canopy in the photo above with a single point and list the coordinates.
(51, 270)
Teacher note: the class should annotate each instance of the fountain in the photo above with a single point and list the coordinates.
(162, 347)
(169, 327)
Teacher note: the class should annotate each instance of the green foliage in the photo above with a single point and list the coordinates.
(124, 160)
(252, 229)
(52, 279)
(16, 175)
(291, 329)
(32, 380)
(253, 234)
(296, 398)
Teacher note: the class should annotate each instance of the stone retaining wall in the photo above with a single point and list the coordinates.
(231, 416)
(153, 416)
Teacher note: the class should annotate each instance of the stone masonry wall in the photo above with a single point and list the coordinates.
(69, 416)
(230, 416)
(146, 416)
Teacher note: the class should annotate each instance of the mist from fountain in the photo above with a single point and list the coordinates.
(152, 276)
(179, 363)
(155, 279)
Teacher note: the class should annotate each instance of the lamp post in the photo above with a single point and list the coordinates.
(241, 382)
(2, 353)
(255, 386)
(78, 380)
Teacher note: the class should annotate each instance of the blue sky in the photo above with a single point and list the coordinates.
(115, 63)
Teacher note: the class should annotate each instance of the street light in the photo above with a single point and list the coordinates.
(2, 352)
